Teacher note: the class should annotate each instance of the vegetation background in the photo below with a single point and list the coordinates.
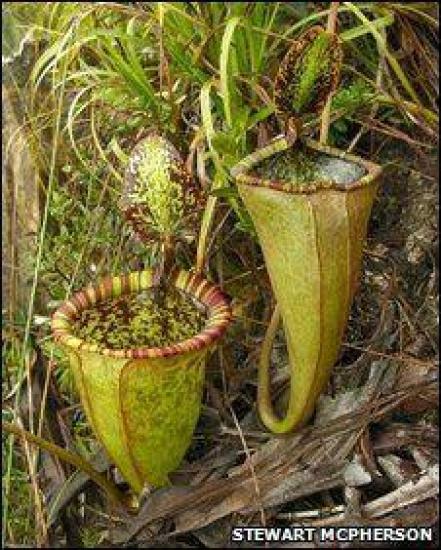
(82, 83)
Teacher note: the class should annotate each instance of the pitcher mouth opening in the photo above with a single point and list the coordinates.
(364, 172)
(218, 313)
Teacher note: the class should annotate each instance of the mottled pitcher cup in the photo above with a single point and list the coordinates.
(143, 404)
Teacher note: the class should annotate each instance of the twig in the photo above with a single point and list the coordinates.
(379, 86)
(326, 115)
(41, 525)
(331, 26)
(402, 358)
(206, 224)
(410, 493)
(249, 463)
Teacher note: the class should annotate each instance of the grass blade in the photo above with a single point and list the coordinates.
(224, 56)
(383, 47)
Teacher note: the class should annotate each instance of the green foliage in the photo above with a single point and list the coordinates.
(356, 95)
(106, 74)
(309, 69)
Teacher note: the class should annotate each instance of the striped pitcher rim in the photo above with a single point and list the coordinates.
(241, 170)
(219, 313)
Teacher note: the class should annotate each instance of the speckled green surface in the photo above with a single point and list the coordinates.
(155, 187)
(160, 404)
(160, 198)
(143, 410)
(307, 75)
(138, 320)
(310, 69)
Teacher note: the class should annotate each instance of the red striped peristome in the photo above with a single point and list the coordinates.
(219, 313)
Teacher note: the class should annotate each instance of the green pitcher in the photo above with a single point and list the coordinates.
(312, 238)
(143, 403)
(310, 205)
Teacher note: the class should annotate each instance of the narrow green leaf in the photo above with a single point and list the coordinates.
(382, 46)
(224, 56)
(207, 118)
(380, 23)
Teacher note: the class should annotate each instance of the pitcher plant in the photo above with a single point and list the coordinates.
(138, 356)
(310, 204)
